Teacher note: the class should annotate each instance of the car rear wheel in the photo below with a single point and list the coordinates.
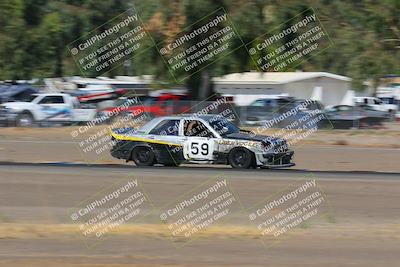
(143, 156)
(241, 158)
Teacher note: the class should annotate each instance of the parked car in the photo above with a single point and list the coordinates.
(310, 105)
(362, 116)
(263, 111)
(376, 104)
(45, 108)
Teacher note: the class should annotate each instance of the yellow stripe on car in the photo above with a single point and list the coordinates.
(132, 138)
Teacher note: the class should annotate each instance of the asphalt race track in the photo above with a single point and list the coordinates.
(363, 229)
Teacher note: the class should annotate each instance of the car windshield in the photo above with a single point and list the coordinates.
(258, 103)
(387, 100)
(222, 125)
(30, 98)
(149, 101)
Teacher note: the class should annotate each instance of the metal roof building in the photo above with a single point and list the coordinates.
(328, 88)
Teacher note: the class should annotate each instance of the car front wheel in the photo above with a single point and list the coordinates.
(25, 119)
(143, 156)
(241, 158)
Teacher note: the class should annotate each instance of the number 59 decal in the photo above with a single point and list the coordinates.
(199, 149)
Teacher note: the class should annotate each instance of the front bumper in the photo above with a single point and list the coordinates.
(276, 160)
(7, 118)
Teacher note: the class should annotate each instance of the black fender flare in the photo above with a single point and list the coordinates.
(140, 144)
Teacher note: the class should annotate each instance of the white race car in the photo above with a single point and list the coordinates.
(209, 139)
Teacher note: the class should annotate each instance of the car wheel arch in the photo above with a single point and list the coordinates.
(149, 147)
(25, 112)
(254, 160)
(139, 145)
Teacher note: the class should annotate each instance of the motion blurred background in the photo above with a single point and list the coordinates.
(34, 35)
(54, 115)
(362, 60)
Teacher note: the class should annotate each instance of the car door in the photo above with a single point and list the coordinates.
(345, 111)
(378, 105)
(55, 108)
(199, 142)
(167, 131)
(81, 113)
(167, 139)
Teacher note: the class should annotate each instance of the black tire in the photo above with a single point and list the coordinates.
(25, 119)
(143, 156)
(241, 158)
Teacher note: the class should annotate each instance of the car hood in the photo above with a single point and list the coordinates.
(18, 105)
(124, 131)
(253, 137)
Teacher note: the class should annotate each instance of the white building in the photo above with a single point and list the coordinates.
(328, 88)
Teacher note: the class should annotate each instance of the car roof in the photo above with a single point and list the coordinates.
(186, 116)
(151, 124)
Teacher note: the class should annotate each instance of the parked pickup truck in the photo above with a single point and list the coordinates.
(376, 104)
(45, 109)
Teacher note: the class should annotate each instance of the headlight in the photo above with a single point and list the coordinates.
(8, 109)
(281, 146)
(267, 145)
(259, 146)
(4, 109)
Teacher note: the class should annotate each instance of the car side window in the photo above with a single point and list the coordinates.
(377, 102)
(52, 100)
(258, 103)
(166, 127)
(196, 128)
(366, 107)
(344, 108)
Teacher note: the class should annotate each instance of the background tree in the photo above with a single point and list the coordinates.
(34, 35)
